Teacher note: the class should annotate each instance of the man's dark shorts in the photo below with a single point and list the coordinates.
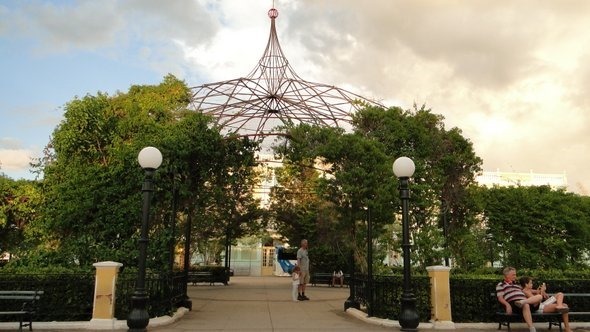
(515, 309)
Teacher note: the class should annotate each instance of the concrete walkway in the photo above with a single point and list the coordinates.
(264, 304)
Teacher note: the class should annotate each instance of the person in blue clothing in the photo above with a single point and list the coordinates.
(303, 263)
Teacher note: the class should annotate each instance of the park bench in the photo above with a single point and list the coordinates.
(325, 278)
(204, 276)
(553, 318)
(21, 304)
(321, 278)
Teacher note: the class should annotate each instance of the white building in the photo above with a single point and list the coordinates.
(507, 179)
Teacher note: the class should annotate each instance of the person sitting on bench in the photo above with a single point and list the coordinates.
(510, 294)
(549, 303)
(337, 275)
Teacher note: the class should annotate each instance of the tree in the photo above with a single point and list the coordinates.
(361, 178)
(299, 212)
(92, 182)
(19, 204)
(446, 165)
(536, 227)
(334, 217)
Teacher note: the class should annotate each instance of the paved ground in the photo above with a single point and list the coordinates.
(264, 304)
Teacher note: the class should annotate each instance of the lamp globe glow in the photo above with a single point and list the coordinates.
(403, 167)
(149, 158)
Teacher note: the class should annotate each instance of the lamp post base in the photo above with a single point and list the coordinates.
(408, 318)
(138, 318)
(187, 303)
(351, 303)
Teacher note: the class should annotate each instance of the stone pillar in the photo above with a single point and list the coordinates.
(104, 292)
(440, 293)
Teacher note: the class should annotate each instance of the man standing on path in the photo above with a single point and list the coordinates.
(303, 263)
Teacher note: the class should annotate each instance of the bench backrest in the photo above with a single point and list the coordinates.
(24, 300)
(21, 295)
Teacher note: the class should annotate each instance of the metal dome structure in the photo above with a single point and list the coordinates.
(273, 95)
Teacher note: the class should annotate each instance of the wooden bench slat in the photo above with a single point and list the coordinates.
(19, 297)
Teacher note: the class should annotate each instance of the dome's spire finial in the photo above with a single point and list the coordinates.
(273, 13)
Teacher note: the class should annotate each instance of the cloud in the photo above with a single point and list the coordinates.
(58, 28)
(143, 32)
(15, 159)
(10, 143)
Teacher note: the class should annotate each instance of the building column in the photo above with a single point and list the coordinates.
(440, 293)
(104, 293)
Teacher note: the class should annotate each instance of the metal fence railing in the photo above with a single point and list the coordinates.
(387, 292)
(70, 297)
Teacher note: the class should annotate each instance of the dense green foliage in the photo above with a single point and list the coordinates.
(19, 205)
(90, 205)
(68, 293)
(358, 184)
(535, 227)
(333, 182)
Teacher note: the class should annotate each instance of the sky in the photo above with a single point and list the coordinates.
(514, 76)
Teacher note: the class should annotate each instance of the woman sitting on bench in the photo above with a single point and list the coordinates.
(546, 303)
(338, 276)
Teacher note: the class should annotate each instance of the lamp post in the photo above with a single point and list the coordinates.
(351, 301)
(445, 208)
(404, 168)
(150, 159)
(489, 240)
(369, 263)
(171, 243)
(186, 301)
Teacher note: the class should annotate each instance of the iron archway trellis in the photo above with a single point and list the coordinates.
(273, 95)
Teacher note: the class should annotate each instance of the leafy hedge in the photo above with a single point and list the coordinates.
(69, 293)
(67, 296)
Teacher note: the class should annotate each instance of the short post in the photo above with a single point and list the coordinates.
(440, 294)
(103, 311)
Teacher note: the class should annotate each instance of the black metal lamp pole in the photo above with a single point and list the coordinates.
(150, 159)
(369, 263)
(446, 231)
(403, 168)
(351, 301)
(186, 301)
(171, 243)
